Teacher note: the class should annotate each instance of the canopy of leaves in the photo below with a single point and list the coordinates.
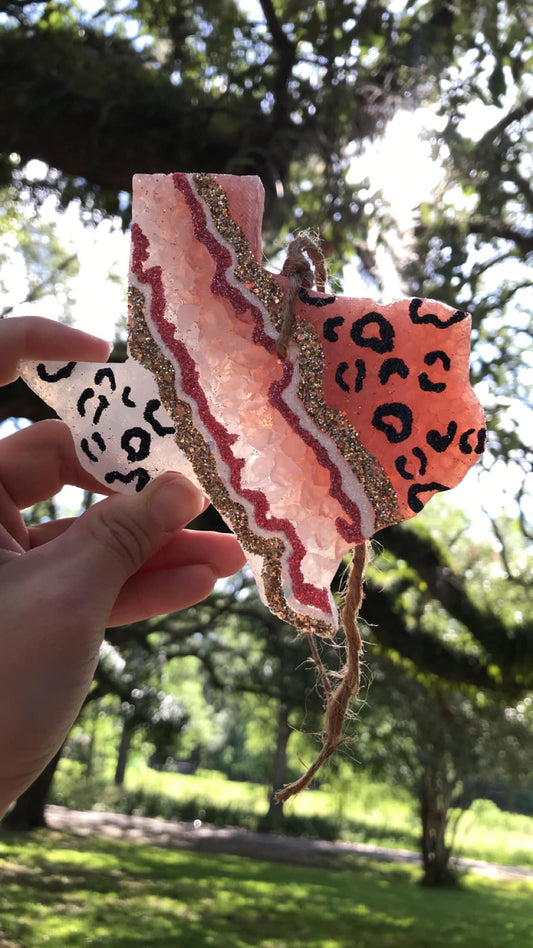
(275, 88)
(290, 91)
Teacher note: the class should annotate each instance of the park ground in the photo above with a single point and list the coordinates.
(98, 879)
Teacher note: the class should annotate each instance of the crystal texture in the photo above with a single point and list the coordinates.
(370, 414)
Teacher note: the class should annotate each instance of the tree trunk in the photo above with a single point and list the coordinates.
(279, 765)
(435, 852)
(122, 758)
(29, 810)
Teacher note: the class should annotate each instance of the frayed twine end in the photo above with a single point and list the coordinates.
(338, 700)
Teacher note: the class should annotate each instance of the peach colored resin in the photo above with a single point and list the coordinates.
(371, 413)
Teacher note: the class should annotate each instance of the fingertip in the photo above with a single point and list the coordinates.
(162, 592)
(175, 501)
(25, 338)
(233, 560)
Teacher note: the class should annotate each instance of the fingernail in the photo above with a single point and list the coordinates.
(175, 502)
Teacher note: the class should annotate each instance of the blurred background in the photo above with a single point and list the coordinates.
(402, 132)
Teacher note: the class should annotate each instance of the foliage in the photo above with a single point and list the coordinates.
(291, 92)
(474, 239)
(32, 256)
(442, 745)
(455, 608)
(241, 650)
(57, 891)
(358, 810)
(282, 89)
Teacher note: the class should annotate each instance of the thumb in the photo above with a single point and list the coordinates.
(113, 539)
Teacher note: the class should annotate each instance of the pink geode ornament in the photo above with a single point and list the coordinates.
(369, 415)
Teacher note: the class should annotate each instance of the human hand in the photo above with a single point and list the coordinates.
(62, 583)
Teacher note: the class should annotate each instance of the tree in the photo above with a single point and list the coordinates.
(101, 96)
(474, 241)
(290, 96)
(31, 254)
(244, 650)
(442, 745)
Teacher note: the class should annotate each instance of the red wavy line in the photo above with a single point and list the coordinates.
(307, 593)
(351, 532)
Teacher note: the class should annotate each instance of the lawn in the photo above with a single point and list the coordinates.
(61, 892)
(367, 811)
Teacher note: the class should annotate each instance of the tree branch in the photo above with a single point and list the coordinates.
(510, 649)
(500, 230)
(42, 288)
(286, 51)
(427, 652)
(521, 580)
(80, 101)
(515, 115)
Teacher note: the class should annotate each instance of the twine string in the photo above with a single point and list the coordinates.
(303, 251)
(338, 700)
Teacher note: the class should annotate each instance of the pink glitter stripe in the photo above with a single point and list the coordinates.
(351, 531)
(307, 593)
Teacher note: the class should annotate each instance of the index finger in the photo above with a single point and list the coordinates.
(33, 337)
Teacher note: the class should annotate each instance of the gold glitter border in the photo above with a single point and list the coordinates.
(361, 462)
(330, 421)
(145, 350)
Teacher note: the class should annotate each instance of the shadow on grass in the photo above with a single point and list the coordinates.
(61, 892)
(138, 802)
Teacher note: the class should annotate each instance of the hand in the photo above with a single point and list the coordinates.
(62, 583)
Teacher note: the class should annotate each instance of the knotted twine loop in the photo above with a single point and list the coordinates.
(298, 269)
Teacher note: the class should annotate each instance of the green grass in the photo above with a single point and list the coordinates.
(370, 812)
(359, 811)
(488, 833)
(64, 893)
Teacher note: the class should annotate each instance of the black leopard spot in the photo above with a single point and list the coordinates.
(432, 318)
(430, 358)
(151, 408)
(84, 445)
(413, 499)
(339, 376)
(399, 464)
(315, 300)
(360, 369)
(85, 396)
(384, 342)
(143, 449)
(464, 446)
(428, 386)
(440, 442)
(105, 373)
(418, 453)
(63, 373)
(139, 474)
(330, 326)
(126, 400)
(394, 410)
(392, 367)
(438, 354)
(102, 405)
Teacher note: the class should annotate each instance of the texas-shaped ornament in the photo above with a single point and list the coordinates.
(369, 415)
